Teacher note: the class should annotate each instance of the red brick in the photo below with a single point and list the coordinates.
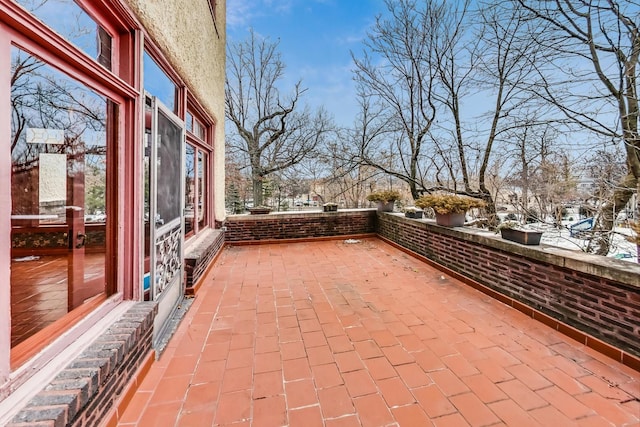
(372, 411)
(448, 383)
(232, 407)
(301, 393)
(411, 415)
(483, 388)
(395, 392)
(267, 384)
(397, 355)
(269, 412)
(565, 403)
(326, 376)
(473, 410)
(296, 369)
(522, 395)
(380, 368)
(367, 349)
(359, 383)
(335, 402)
(512, 414)
(434, 403)
(306, 417)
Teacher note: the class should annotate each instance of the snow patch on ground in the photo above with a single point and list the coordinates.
(620, 247)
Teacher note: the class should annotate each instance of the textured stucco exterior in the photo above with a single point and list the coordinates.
(195, 48)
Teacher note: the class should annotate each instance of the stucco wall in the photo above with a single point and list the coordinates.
(196, 51)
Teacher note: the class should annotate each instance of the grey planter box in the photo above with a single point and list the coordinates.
(414, 215)
(521, 236)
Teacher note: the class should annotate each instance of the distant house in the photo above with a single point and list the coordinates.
(112, 140)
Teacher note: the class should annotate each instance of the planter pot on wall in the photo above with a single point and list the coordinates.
(386, 206)
(259, 211)
(521, 236)
(450, 219)
(414, 215)
(330, 208)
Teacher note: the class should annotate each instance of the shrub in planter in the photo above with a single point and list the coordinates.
(385, 199)
(450, 209)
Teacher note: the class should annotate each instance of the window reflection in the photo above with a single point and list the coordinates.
(57, 124)
(194, 126)
(190, 189)
(158, 83)
(202, 188)
(70, 21)
(59, 136)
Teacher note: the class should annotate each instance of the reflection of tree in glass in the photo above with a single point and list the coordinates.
(95, 185)
(43, 98)
(69, 20)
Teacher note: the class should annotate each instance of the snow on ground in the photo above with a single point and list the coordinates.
(620, 247)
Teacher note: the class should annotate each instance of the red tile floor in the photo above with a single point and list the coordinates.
(337, 334)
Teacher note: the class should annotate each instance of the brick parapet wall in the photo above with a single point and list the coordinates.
(285, 226)
(85, 392)
(597, 295)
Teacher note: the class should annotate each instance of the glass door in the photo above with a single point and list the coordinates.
(164, 204)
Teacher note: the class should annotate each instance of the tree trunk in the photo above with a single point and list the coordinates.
(490, 209)
(257, 180)
(621, 196)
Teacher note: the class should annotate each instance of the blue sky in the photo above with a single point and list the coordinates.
(316, 37)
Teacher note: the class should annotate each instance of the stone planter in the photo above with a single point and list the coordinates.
(386, 206)
(414, 215)
(330, 207)
(450, 219)
(262, 210)
(524, 237)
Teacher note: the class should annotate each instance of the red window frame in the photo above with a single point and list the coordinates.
(203, 143)
(21, 29)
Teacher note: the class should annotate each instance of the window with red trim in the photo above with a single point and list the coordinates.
(197, 176)
(66, 112)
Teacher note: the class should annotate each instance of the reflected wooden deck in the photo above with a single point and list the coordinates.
(39, 291)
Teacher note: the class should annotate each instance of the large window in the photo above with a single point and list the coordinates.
(197, 174)
(68, 125)
(59, 212)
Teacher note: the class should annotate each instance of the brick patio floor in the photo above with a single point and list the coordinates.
(337, 334)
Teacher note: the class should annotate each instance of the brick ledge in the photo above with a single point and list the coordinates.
(85, 391)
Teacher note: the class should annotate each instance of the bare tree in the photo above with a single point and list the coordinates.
(480, 53)
(531, 145)
(441, 57)
(272, 130)
(592, 76)
(355, 176)
(397, 73)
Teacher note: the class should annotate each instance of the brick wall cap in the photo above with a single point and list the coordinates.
(296, 214)
(195, 248)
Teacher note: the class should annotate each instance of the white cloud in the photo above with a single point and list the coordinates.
(240, 12)
(279, 6)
